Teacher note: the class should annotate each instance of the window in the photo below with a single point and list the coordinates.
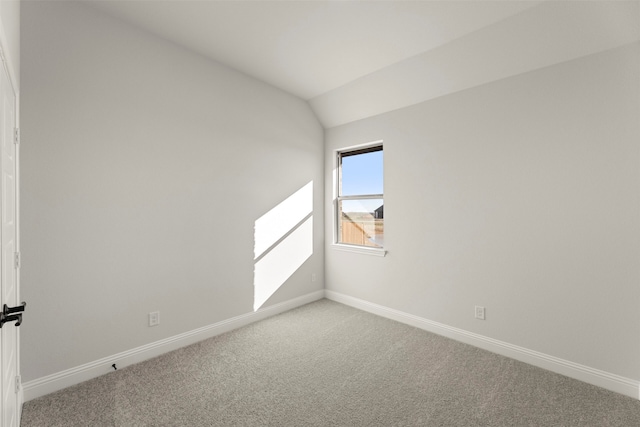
(360, 201)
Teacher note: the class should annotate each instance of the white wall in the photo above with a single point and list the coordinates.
(521, 195)
(144, 168)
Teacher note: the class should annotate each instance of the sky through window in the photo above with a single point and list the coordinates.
(362, 174)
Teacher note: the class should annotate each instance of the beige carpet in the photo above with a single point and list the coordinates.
(326, 364)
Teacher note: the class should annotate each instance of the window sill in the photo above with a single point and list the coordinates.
(360, 249)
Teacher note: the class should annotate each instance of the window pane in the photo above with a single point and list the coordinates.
(361, 222)
(362, 174)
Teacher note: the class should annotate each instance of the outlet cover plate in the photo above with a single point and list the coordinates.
(154, 318)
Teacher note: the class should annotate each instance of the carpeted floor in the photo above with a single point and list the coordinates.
(326, 364)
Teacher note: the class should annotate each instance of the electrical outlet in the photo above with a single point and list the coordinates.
(154, 318)
(313, 277)
(480, 312)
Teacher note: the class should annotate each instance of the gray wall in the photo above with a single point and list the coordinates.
(520, 195)
(144, 168)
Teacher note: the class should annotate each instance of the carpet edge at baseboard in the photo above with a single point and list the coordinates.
(69, 377)
(609, 381)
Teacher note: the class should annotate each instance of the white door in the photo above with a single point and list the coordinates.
(9, 290)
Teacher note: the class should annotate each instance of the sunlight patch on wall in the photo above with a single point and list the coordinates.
(283, 241)
(280, 220)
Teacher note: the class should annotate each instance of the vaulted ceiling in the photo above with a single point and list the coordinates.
(355, 59)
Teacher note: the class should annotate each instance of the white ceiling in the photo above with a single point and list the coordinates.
(330, 52)
(311, 47)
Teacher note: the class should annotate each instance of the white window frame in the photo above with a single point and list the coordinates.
(338, 154)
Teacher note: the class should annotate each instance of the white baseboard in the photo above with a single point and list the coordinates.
(589, 375)
(69, 377)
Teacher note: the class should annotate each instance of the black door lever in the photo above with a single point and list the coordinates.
(11, 318)
(6, 310)
(8, 316)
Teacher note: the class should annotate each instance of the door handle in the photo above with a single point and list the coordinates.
(8, 315)
(6, 310)
(11, 318)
